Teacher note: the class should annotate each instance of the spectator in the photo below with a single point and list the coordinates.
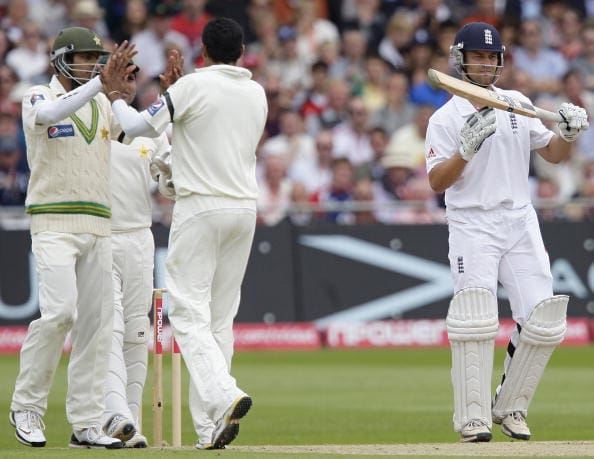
(274, 196)
(292, 69)
(545, 66)
(350, 65)
(8, 82)
(370, 19)
(151, 43)
(300, 211)
(421, 92)
(584, 62)
(351, 137)
(570, 28)
(17, 12)
(190, 22)
(373, 89)
(410, 138)
(336, 111)
(135, 20)
(398, 36)
(313, 29)
(339, 191)
(293, 143)
(312, 101)
(373, 169)
(316, 173)
(397, 110)
(88, 14)
(13, 182)
(30, 58)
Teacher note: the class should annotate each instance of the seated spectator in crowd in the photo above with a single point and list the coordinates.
(363, 195)
(374, 88)
(29, 59)
(350, 65)
(312, 101)
(398, 36)
(584, 62)
(13, 181)
(339, 191)
(545, 66)
(422, 92)
(315, 173)
(570, 40)
(292, 69)
(373, 169)
(351, 137)
(337, 109)
(88, 14)
(292, 143)
(410, 139)
(9, 81)
(313, 29)
(397, 109)
(587, 192)
(274, 196)
(151, 43)
(546, 199)
(300, 212)
(190, 22)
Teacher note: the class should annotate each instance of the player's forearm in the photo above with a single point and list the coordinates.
(556, 151)
(444, 175)
(132, 122)
(56, 110)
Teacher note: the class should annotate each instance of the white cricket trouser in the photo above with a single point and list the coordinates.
(133, 260)
(505, 246)
(206, 262)
(75, 294)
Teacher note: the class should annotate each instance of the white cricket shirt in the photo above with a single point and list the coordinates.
(497, 176)
(131, 181)
(218, 116)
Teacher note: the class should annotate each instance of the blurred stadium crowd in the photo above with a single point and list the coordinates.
(347, 88)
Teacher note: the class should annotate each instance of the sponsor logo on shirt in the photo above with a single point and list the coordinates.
(36, 97)
(158, 105)
(60, 130)
(431, 153)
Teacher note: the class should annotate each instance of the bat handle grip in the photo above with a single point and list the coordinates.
(547, 115)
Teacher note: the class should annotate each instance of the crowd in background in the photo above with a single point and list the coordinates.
(347, 89)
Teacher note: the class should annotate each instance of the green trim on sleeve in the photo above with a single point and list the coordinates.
(72, 207)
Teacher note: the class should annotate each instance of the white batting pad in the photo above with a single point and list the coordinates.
(135, 352)
(542, 332)
(472, 325)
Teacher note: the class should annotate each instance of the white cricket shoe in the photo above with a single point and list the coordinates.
(137, 441)
(29, 427)
(206, 446)
(120, 427)
(475, 430)
(514, 425)
(227, 428)
(93, 437)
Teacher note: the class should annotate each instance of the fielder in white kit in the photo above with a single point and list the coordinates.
(68, 125)
(133, 247)
(480, 158)
(218, 115)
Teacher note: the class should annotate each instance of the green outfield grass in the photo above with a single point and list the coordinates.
(336, 397)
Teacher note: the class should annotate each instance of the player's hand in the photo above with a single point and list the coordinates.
(114, 74)
(478, 127)
(173, 71)
(575, 120)
(160, 167)
(166, 187)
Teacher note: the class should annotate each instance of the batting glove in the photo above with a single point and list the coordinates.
(575, 120)
(161, 167)
(478, 127)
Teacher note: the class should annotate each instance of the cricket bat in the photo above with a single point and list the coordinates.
(487, 97)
